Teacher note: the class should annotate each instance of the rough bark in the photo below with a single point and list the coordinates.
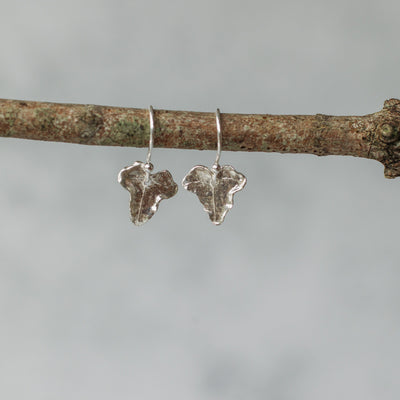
(375, 136)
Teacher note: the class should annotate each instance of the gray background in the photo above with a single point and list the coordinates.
(295, 296)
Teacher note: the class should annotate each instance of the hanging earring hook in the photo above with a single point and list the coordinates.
(219, 137)
(151, 116)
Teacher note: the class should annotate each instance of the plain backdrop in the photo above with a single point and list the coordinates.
(295, 296)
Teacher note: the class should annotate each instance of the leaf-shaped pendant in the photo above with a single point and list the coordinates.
(146, 189)
(215, 188)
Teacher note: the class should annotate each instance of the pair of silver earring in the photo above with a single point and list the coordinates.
(213, 186)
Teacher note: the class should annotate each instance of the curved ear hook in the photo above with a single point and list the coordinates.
(219, 137)
(146, 189)
(151, 141)
(215, 186)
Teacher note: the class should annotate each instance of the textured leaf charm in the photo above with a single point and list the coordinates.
(215, 188)
(146, 189)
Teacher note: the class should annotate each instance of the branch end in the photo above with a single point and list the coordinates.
(385, 145)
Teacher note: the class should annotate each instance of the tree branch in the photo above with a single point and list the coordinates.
(375, 136)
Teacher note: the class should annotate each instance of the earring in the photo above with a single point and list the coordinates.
(215, 187)
(146, 189)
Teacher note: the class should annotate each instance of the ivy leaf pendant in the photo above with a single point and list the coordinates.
(215, 188)
(146, 189)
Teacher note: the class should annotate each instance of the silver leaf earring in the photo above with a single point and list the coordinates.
(146, 189)
(215, 187)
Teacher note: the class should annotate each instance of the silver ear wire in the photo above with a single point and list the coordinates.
(219, 138)
(215, 186)
(146, 189)
(151, 139)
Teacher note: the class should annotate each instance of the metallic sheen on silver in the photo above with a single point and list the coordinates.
(219, 137)
(215, 186)
(146, 189)
(151, 140)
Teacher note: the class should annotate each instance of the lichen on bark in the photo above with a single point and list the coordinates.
(374, 136)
